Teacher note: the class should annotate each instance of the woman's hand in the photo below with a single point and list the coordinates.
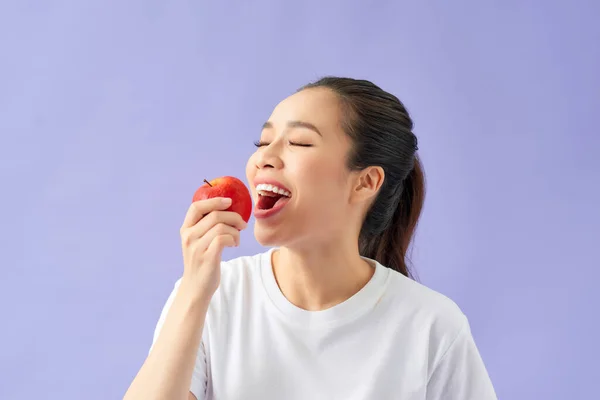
(206, 231)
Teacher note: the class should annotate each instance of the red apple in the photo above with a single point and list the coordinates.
(228, 186)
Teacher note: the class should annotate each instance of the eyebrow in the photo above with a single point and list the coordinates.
(295, 124)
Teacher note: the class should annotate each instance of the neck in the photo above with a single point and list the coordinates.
(320, 276)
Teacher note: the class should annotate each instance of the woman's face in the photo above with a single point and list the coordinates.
(302, 155)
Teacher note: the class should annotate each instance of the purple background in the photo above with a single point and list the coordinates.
(112, 112)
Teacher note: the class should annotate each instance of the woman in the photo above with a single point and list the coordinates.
(330, 311)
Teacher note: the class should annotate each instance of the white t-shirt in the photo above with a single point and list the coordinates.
(394, 339)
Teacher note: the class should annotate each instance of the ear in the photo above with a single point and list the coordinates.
(368, 183)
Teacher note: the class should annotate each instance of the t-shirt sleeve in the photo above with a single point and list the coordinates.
(461, 374)
(199, 376)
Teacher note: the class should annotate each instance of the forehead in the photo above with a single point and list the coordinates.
(318, 106)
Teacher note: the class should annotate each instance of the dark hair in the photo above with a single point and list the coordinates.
(381, 131)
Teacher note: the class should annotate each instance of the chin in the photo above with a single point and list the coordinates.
(266, 236)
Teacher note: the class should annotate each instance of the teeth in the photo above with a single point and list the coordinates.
(264, 188)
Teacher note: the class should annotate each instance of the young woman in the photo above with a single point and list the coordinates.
(330, 311)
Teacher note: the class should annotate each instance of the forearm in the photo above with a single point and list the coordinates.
(167, 371)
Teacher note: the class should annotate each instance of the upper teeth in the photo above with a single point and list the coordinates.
(264, 188)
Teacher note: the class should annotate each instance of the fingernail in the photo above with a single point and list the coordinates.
(226, 201)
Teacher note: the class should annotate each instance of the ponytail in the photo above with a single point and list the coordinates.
(381, 131)
(389, 247)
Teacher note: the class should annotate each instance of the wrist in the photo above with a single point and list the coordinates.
(194, 296)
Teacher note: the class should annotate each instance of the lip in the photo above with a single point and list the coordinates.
(263, 214)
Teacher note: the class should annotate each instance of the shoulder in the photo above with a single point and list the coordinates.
(424, 297)
(453, 363)
(430, 310)
(430, 320)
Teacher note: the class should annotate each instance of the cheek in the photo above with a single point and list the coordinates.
(325, 178)
(334, 172)
(250, 168)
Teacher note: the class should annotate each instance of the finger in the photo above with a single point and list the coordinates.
(219, 229)
(200, 208)
(218, 217)
(233, 219)
(215, 250)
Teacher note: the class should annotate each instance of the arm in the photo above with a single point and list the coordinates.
(176, 364)
(176, 354)
(461, 374)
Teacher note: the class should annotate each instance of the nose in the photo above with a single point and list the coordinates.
(268, 157)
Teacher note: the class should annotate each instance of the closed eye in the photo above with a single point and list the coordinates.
(263, 144)
(300, 144)
(260, 143)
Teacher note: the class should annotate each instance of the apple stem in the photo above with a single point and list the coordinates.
(208, 183)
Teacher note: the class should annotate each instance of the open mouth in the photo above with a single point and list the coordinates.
(269, 196)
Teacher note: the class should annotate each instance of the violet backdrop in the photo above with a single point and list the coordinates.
(113, 112)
